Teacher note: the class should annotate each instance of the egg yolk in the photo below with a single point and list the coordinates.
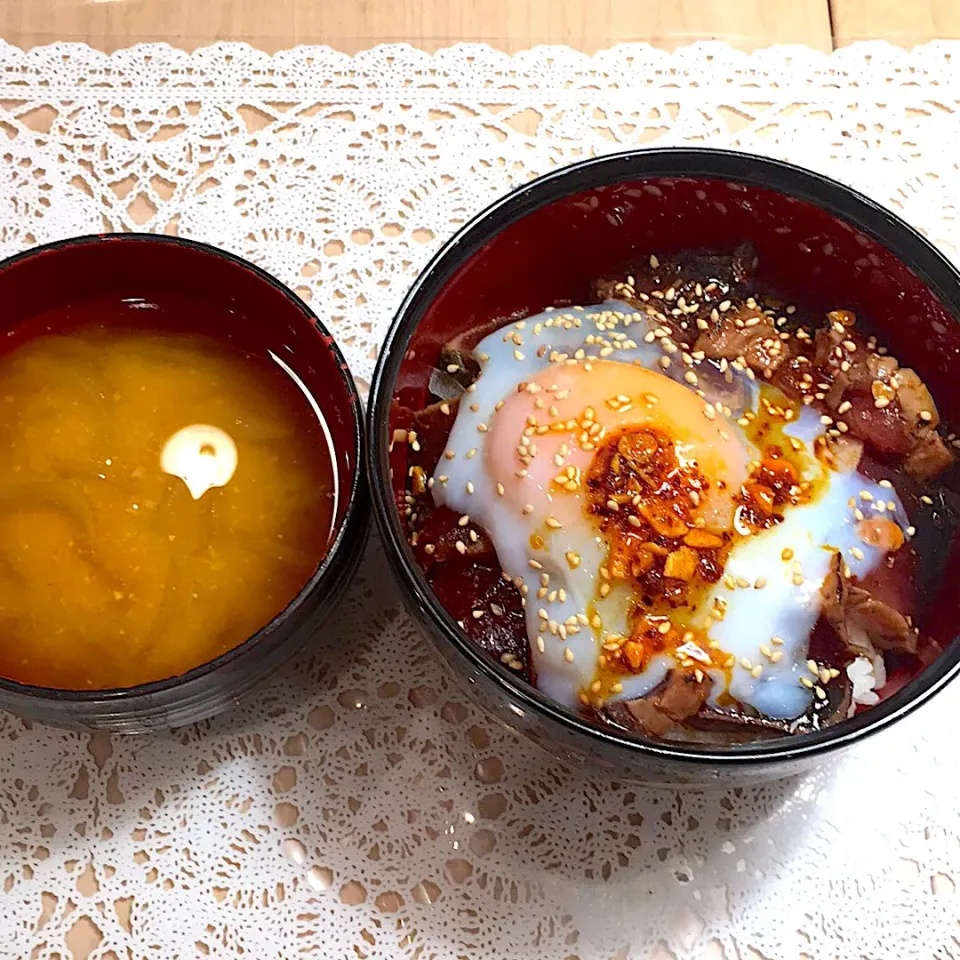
(544, 437)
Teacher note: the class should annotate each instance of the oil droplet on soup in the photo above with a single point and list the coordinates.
(162, 498)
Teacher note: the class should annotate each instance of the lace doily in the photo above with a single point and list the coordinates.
(358, 807)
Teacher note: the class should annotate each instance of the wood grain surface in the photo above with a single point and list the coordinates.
(898, 21)
(352, 25)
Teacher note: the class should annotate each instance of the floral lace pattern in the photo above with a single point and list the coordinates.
(358, 807)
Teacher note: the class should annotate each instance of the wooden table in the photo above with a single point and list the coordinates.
(351, 25)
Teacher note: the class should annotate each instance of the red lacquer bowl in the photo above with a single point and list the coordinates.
(821, 245)
(237, 300)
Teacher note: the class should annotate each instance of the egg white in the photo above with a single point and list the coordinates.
(557, 622)
(812, 532)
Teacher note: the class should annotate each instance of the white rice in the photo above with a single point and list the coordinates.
(867, 674)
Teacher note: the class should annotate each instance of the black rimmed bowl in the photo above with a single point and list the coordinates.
(258, 313)
(821, 245)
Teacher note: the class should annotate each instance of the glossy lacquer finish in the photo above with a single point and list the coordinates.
(235, 300)
(821, 246)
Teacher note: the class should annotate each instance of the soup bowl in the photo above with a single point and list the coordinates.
(227, 298)
(820, 245)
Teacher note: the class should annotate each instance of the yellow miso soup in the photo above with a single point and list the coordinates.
(162, 498)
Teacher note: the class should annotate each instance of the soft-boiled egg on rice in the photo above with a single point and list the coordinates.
(738, 600)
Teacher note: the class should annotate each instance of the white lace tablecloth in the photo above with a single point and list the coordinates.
(358, 807)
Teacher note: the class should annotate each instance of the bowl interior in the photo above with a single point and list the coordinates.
(232, 300)
(809, 255)
(228, 299)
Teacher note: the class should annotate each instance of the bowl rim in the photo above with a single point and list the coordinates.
(845, 203)
(338, 543)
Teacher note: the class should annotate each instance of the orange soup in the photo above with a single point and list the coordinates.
(162, 498)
